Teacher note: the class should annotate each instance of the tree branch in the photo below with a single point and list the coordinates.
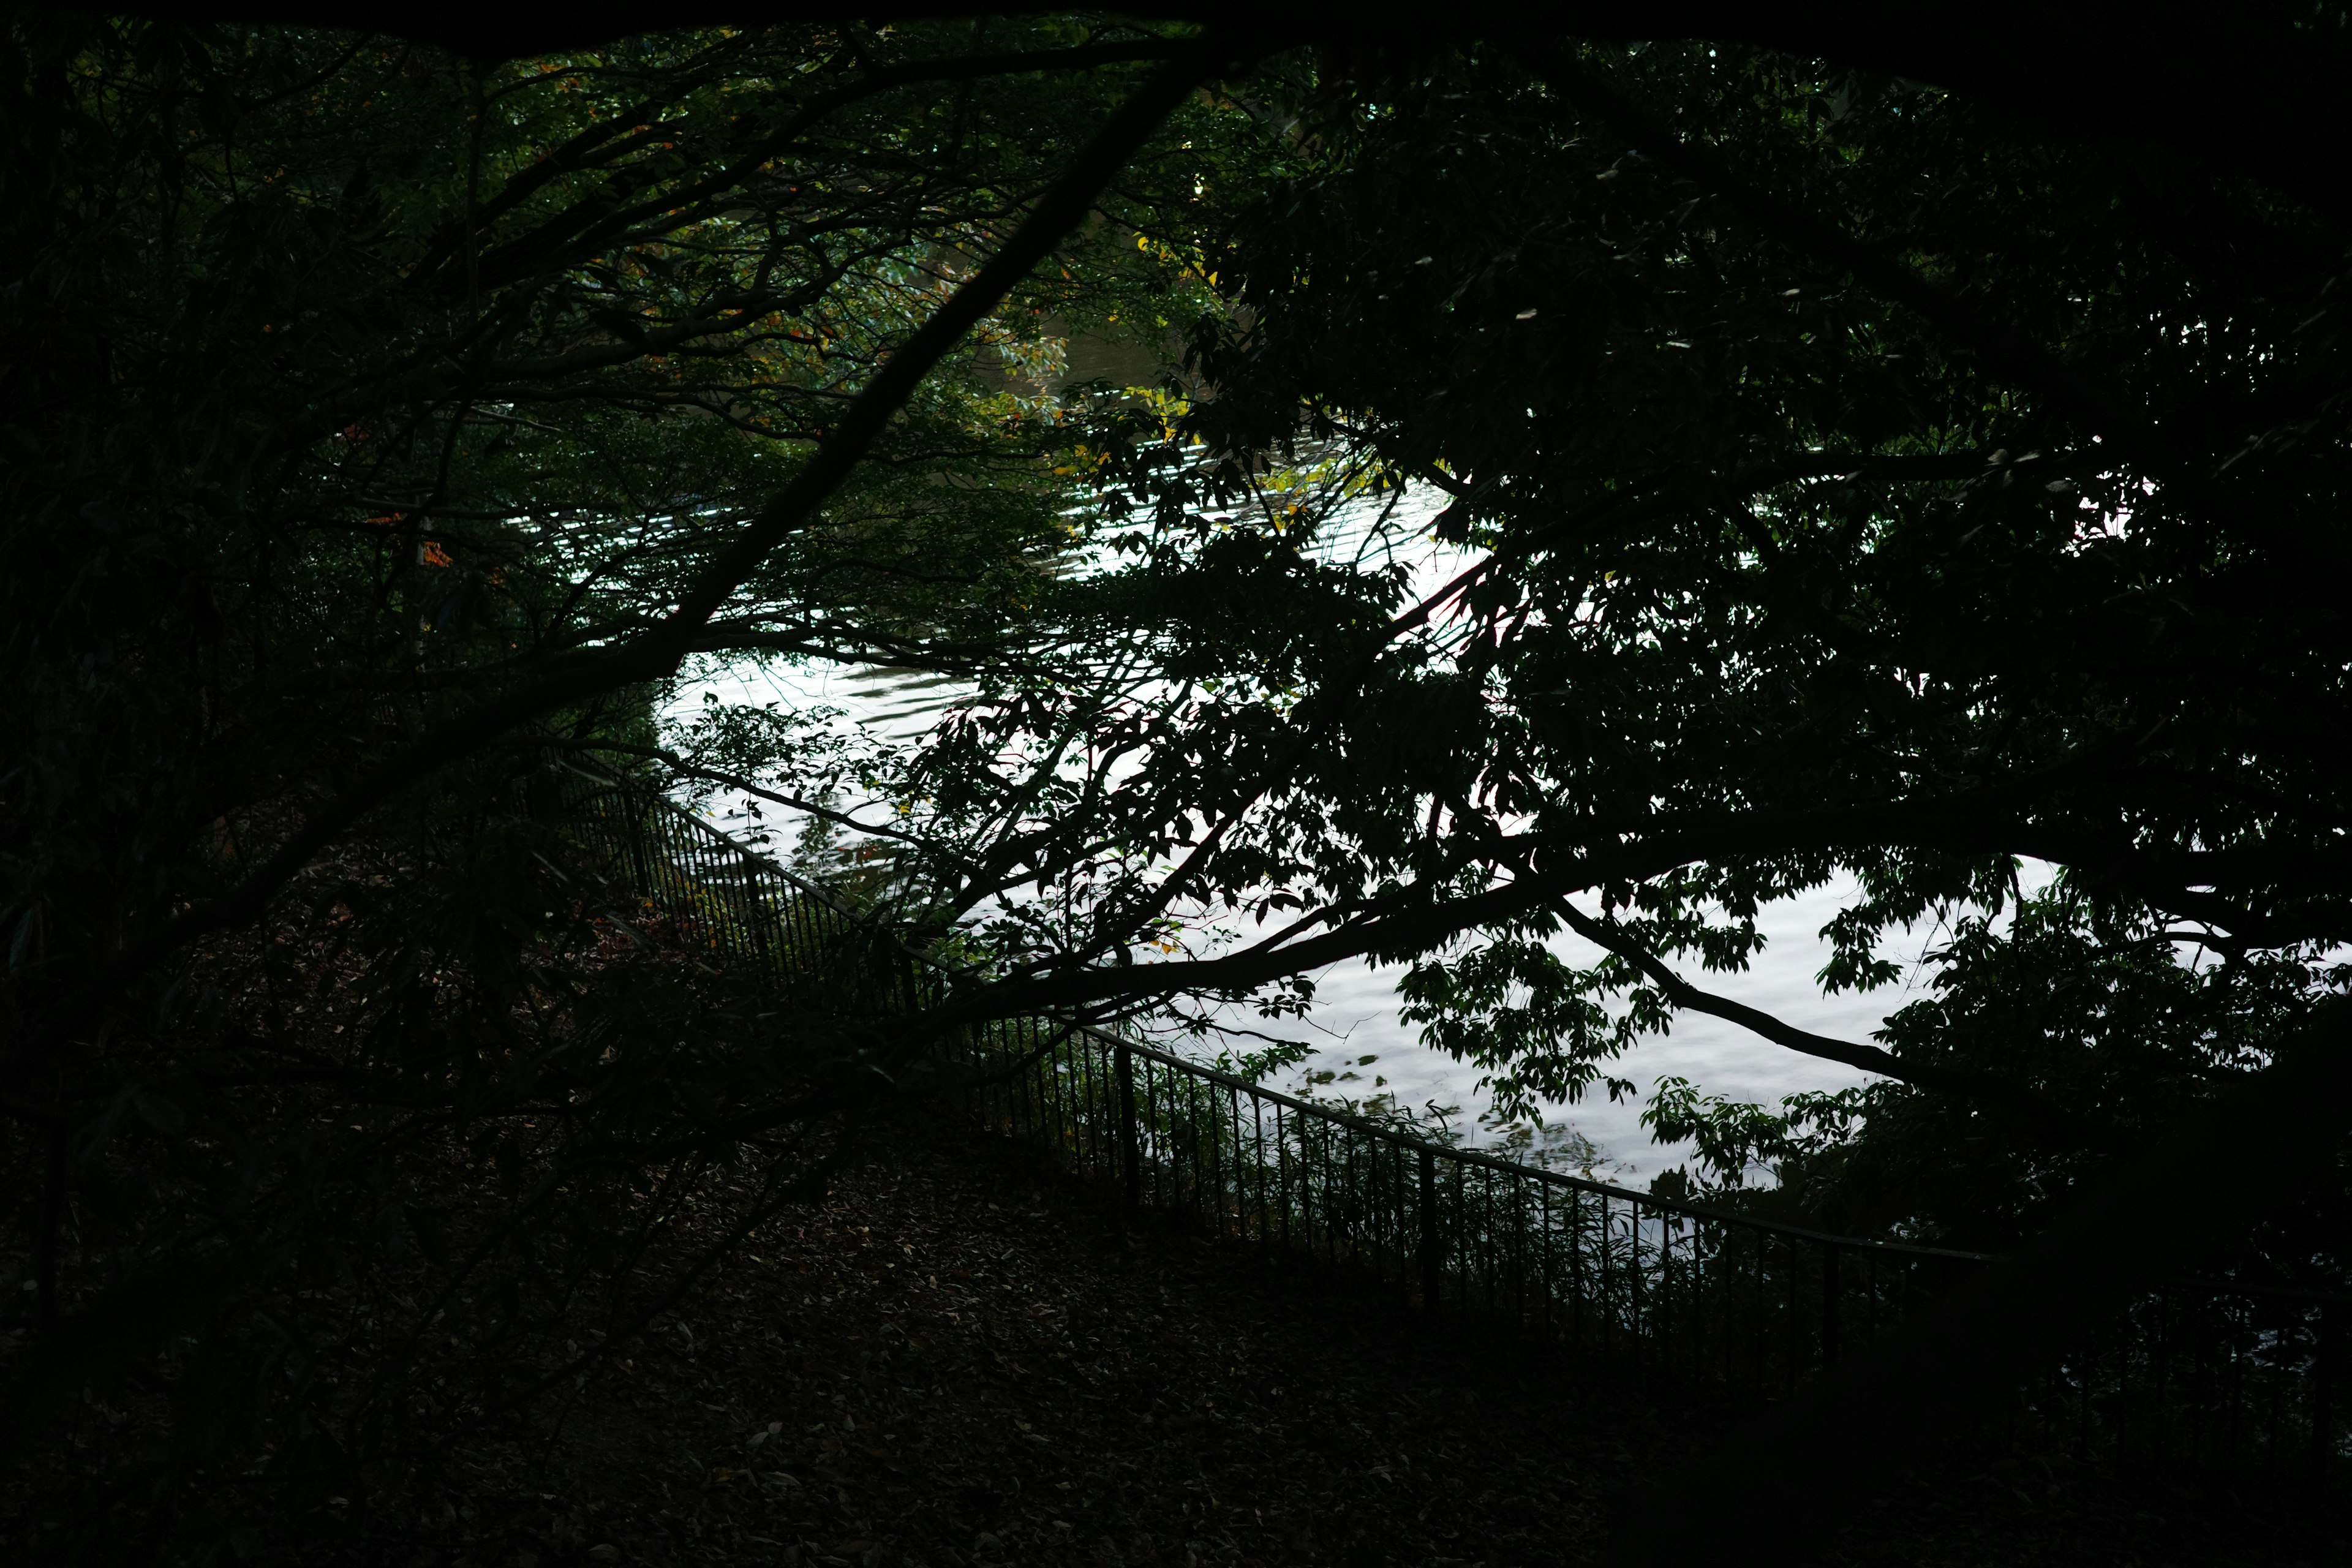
(2013, 1096)
(659, 652)
(736, 782)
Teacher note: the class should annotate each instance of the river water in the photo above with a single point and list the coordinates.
(1361, 1050)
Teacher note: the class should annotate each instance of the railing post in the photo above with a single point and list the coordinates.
(2323, 1391)
(1432, 1257)
(1130, 1152)
(1828, 1305)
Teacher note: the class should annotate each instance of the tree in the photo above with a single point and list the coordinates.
(386, 425)
(1864, 482)
(1860, 481)
(1796, 558)
(1825, 532)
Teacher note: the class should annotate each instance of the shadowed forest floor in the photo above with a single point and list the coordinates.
(956, 1360)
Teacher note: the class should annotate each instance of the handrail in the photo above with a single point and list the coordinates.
(1365, 1124)
(1682, 1206)
(1691, 1287)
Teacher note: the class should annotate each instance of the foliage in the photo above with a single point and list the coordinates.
(2096, 1014)
(1782, 581)
(1852, 482)
(352, 388)
(1842, 478)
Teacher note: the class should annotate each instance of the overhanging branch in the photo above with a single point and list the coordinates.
(659, 652)
(2013, 1096)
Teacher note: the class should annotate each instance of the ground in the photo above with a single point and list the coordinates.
(959, 1359)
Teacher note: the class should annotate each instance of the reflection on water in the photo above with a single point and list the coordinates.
(902, 702)
(1356, 1004)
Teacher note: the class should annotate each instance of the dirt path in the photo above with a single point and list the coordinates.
(954, 1361)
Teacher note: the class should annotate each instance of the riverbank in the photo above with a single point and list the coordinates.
(956, 1360)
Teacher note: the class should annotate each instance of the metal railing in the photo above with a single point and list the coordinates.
(2195, 1376)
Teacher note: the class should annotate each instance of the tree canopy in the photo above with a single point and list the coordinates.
(1840, 476)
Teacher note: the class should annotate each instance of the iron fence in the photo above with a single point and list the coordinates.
(2195, 1376)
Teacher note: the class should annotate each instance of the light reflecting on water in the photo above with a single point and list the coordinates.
(1358, 1003)
(1355, 1012)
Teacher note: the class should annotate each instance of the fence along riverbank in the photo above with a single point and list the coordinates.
(2200, 1377)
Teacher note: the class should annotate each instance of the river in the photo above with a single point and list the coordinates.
(1362, 1049)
